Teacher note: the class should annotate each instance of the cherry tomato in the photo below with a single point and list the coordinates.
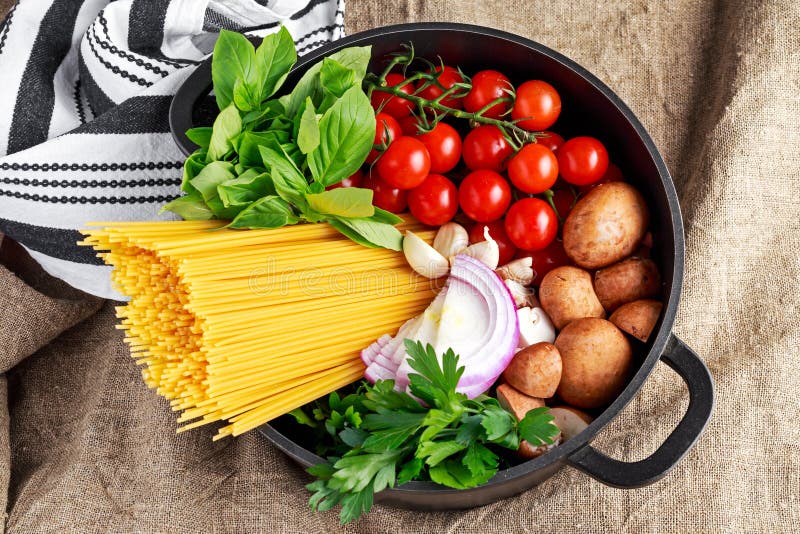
(394, 105)
(612, 174)
(447, 77)
(582, 160)
(488, 86)
(384, 195)
(564, 199)
(354, 180)
(444, 147)
(553, 141)
(387, 129)
(497, 231)
(409, 125)
(546, 259)
(405, 164)
(484, 195)
(486, 148)
(531, 224)
(434, 201)
(534, 169)
(537, 102)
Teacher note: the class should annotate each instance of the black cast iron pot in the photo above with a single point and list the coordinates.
(588, 108)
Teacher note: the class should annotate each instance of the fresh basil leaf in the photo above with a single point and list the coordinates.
(245, 96)
(227, 126)
(386, 217)
(335, 77)
(343, 202)
(191, 168)
(379, 234)
(233, 59)
(212, 175)
(252, 185)
(316, 187)
(268, 212)
(201, 136)
(189, 207)
(294, 154)
(355, 58)
(265, 112)
(247, 147)
(347, 131)
(348, 232)
(275, 57)
(308, 132)
(289, 182)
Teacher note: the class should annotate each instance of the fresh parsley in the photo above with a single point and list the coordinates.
(266, 161)
(378, 437)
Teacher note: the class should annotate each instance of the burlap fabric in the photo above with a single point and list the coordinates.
(84, 446)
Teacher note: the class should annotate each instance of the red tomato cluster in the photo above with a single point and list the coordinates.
(497, 191)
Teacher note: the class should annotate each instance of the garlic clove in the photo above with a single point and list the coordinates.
(519, 270)
(487, 251)
(523, 296)
(534, 327)
(451, 239)
(423, 258)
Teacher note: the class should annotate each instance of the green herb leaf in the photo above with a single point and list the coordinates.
(347, 130)
(268, 212)
(343, 202)
(200, 135)
(497, 422)
(335, 77)
(308, 135)
(289, 182)
(227, 126)
(537, 427)
(190, 207)
(191, 168)
(480, 460)
(252, 185)
(348, 232)
(248, 143)
(275, 57)
(233, 59)
(386, 217)
(367, 231)
(435, 452)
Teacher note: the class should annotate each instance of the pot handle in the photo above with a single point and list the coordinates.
(701, 403)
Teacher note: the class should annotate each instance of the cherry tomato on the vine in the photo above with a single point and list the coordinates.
(409, 125)
(484, 195)
(546, 259)
(612, 174)
(354, 180)
(387, 129)
(444, 147)
(497, 231)
(447, 78)
(582, 160)
(538, 103)
(395, 106)
(485, 147)
(533, 169)
(405, 164)
(553, 141)
(531, 224)
(384, 195)
(488, 86)
(434, 201)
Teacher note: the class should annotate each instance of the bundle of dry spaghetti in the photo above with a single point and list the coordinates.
(244, 326)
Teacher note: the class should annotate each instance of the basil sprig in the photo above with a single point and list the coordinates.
(266, 161)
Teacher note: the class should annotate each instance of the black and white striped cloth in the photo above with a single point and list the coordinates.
(86, 87)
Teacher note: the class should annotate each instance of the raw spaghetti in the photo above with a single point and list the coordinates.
(244, 326)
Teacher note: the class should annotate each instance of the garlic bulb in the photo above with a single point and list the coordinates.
(487, 251)
(523, 296)
(534, 327)
(451, 239)
(520, 270)
(423, 258)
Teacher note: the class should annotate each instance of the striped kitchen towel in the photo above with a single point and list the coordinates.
(85, 93)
